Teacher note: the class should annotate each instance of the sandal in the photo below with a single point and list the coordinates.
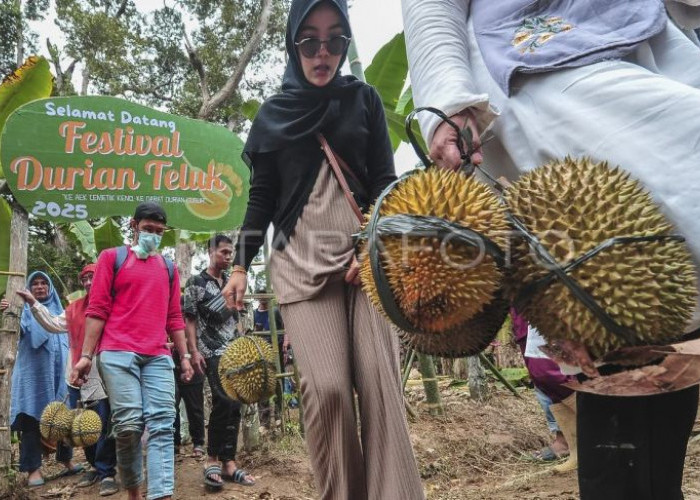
(547, 454)
(238, 476)
(35, 483)
(77, 469)
(213, 470)
(198, 451)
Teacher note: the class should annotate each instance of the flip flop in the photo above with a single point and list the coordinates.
(210, 471)
(35, 483)
(238, 476)
(77, 469)
(198, 451)
(547, 454)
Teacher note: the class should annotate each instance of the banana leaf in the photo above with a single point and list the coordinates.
(108, 235)
(31, 81)
(389, 70)
(84, 234)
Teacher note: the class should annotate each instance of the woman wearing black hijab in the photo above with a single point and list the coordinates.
(340, 341)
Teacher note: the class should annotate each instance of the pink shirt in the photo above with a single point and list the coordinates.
(143, 311)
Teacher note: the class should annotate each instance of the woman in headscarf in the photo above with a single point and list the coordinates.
(340, 341)
(38, 378)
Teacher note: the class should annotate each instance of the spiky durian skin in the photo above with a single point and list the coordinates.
(573, 205)
(86, 428)
(468, 339)
(255, 383)
(55, 422)
(439, 286)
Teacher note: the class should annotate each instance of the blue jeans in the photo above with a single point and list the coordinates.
(545, 403)
(141, 393)
(101, 455)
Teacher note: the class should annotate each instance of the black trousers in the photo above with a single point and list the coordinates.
(192, 393)
(633, 448)
(225, 417)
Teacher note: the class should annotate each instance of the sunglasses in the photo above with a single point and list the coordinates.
(335, 45)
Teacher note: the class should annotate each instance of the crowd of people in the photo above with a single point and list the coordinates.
(320, 154)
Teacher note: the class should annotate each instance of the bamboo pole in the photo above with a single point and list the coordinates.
(19, 229)
(432, 391)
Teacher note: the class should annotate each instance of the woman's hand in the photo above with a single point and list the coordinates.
(234, 291)
(27, 297)
(443, 149)
(353, 274)
(4, 304)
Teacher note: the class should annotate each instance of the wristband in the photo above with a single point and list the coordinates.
(186, 356)
(239, 269)
(88, 356)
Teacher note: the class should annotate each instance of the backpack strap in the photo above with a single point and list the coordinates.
(171, 270)
(123, 253)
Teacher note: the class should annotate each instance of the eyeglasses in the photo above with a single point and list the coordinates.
(335, 45)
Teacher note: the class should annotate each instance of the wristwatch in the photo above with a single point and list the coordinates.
(187, 356)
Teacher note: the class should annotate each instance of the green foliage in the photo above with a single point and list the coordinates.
(15, 31)
(108, 234)
(516, 376)
(84, 235)
(31, 81)
(5, 219)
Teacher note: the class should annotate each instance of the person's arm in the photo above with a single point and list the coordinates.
(437, 47)
(50, 323)
(193, 294)
(96, 314)
(175, 327)
(262, 201)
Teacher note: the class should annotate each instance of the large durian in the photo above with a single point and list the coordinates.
(247, 370)
(572, 206)
(86, 428)
(55, 422)
(439, 286)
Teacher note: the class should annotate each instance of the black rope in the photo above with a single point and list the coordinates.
(557, 270)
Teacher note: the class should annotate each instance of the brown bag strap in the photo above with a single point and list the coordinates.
(333, 160)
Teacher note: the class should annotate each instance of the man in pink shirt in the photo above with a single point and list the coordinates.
(134, 306)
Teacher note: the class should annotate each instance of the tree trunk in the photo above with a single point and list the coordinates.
(20, 34)
(86, 80)
(430, 385)
(460, 369)
(19, 227)
(251, 427)
(477, 379)
(183, 258)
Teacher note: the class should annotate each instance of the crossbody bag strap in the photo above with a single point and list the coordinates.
(333, 160)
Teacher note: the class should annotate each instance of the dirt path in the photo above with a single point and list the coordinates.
(476, 452)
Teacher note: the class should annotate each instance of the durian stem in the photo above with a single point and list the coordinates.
(430, 385)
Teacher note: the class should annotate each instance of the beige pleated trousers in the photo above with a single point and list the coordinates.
(378, 465)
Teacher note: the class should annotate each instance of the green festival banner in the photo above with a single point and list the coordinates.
(74, 158)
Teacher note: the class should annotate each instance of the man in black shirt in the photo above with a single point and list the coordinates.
(214, 327)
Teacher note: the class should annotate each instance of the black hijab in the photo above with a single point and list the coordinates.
(301, 109)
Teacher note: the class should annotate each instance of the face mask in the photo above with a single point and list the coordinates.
(149, 242)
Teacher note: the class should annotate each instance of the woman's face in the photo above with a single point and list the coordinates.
(323, 23)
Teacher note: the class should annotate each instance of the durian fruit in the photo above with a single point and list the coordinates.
(86, 428)
(439, 285)
(247, 370)
(573, 205)
(470, 339)
(55, 422)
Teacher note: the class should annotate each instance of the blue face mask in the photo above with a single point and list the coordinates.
(149, 242)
